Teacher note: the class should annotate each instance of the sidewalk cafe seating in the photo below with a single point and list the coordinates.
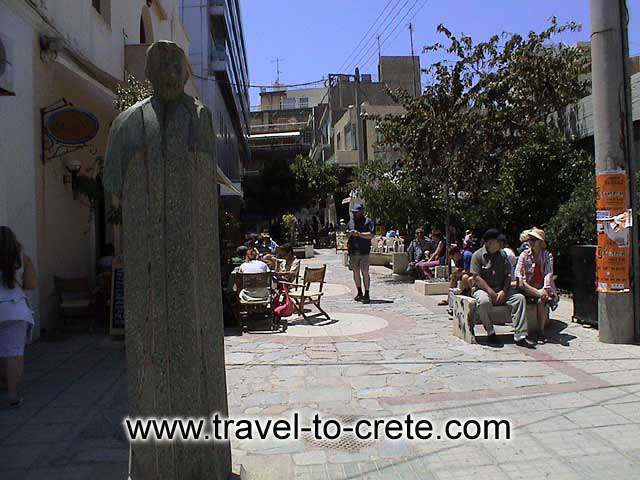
(310, 291)
(253, 295)
(75, 300)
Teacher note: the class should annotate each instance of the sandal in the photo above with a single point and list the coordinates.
(443, 303)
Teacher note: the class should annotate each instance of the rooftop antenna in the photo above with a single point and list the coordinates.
(278, 71)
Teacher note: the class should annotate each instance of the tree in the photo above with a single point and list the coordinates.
(482, 103)
(392, 197)
(131, 93)
(314, 180)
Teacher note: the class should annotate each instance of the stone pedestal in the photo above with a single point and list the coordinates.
(431, 288)
(399, 262)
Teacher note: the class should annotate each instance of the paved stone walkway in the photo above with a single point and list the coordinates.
(574, 402)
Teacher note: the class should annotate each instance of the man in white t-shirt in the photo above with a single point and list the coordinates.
(252, 264)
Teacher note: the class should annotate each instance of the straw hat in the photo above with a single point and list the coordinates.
(533, 233)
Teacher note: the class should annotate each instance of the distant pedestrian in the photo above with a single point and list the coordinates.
(17, 275)
(360, 231)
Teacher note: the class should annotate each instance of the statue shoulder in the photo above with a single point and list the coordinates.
(130, 116)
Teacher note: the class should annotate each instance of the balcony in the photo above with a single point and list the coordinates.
(218, 55)
(217, 7)
(345, 158)
(134, 60)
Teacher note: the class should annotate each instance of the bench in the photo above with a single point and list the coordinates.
(465, 317)
(426, 287)
(396, 261)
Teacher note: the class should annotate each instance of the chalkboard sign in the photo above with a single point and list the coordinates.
(116, 315)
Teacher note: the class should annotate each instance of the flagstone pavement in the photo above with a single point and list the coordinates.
(574, 403)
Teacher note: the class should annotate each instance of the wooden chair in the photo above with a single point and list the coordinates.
(243, 307)
(308, 293)
(75, 299)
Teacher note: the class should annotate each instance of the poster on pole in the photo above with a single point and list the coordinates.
(613, 256)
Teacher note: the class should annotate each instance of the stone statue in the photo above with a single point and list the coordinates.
(161, 161)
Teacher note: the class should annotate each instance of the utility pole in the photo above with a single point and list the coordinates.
(379, 54)
(413, 60)
(359, 132)
(613, 134)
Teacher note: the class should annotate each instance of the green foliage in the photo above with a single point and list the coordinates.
(289, 221)
(392, 197)
(131, 93)
(534, 180)
(479, 132)
(314, 180)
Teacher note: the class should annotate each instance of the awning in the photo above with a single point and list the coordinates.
(229, 188)
(259, 136)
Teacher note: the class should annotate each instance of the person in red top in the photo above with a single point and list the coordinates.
(534, 272)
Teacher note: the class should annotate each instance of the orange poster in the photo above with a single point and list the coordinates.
(613, 257)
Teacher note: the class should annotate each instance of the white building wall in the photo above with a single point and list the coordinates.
(18, 136)
(57, 230)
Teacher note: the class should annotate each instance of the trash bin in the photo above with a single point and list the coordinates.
(585, 297)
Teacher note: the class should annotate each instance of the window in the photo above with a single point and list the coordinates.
(348, 138)
(339, 141)
(103, 8)
(289, 103)
(304, 102)
(97, 4)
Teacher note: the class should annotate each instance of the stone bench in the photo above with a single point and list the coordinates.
(425, 287)
(396, 261)
(465, 317)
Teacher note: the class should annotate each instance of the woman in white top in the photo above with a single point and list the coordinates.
(16, 318)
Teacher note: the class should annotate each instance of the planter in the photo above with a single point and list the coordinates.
(585, 297)
(305, 251)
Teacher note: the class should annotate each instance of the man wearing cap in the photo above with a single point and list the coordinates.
(360, 230)
(491, 271)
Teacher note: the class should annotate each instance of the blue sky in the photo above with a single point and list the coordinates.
(315, 37)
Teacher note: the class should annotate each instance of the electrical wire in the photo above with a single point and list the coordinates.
(305, 84)
(366, 35)
(418, 10)
(372, 47)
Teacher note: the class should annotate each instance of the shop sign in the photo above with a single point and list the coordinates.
(613, 256)
(72, 126)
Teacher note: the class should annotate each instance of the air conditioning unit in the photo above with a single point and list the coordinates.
(6, 66)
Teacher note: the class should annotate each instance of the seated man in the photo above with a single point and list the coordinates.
(252, 265)
(392, 233)
(419, 249)
(492, 277)
(266, 244)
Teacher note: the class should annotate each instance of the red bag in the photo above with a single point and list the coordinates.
(286, 307)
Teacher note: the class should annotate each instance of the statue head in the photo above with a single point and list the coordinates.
(167, 69)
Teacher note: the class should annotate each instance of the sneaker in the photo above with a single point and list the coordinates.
(366, 299)
(494, 341)
(16, 403)
(358, 298)
(526, 343)
(541, 340)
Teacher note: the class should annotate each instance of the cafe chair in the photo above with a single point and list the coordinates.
(310, 291)
(253, 293)
(75, 300)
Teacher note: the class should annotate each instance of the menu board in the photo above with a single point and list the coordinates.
(116, 314)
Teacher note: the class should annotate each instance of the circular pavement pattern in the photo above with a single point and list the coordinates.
(335, 290)
(342, 324)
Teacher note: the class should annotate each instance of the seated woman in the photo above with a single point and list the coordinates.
(534, 273)
(461, 274)
(437, 258)
(288, 265)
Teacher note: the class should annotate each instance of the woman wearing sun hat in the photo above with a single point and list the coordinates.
(534, 272)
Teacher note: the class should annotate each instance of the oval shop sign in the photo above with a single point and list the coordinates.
(72, 126)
